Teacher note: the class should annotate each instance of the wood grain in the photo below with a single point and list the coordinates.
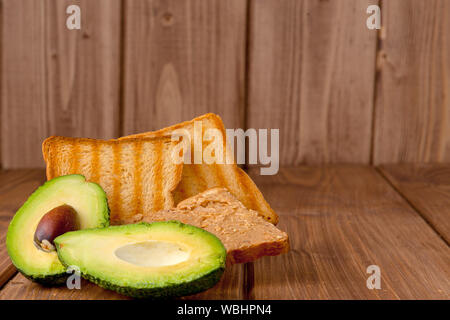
(20, 288)
(340, 220)
(7, 269)
(55, 80)
(183, 59)
(412, 104)
(312, 70)
(230, 287)
(15, 187)
(427, 188)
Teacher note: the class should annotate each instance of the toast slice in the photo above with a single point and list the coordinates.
(244, 233)
(138, 175)
(197, 178)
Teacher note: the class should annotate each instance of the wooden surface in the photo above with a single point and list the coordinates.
(7, 270)
(15, 187)
(183, 59)
(55, 80)
(427, 188)
(311, 75)
(340, 220)
(412, 105)
(230, 287)
(338, 92)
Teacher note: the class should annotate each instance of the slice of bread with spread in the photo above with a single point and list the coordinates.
(244, 233)
(138, 175)
(197, 178)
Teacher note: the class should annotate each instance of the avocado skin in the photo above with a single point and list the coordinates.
(57, 279)
(52, 280)
(177, 290)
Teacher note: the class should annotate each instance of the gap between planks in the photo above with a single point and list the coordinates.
(410, 203)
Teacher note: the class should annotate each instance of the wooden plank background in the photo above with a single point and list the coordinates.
(183, 59)
(55, 80)
(337, 91)
(311, 75)
(412, 94)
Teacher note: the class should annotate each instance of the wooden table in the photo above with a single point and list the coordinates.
(340, 220)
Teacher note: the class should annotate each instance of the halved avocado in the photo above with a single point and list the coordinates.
(156, 260)
(89, 202)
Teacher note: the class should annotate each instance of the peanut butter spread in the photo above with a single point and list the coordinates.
(244, 233)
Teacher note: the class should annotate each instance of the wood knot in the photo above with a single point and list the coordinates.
(167, 19)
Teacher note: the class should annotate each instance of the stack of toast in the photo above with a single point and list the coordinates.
(144, 182)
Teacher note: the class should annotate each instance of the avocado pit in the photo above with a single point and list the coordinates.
(54, 223)
(152, 253)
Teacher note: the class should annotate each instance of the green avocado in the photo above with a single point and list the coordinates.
(89, 204)
(156, 260)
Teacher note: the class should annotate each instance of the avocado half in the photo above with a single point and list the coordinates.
(86, 198)
(156, 260)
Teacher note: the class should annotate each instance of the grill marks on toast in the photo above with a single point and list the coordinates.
(95, 172)
(200, 177)
(196, 177)
(219, 179)
(116, 199)
(51, 168)
(74, 162)
(197, 172)
(158, 201)
(137, 199)
(137, 174)
(249, 199)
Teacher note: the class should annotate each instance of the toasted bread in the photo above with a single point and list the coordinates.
(138, 175)
(197, 178)
(244, 233)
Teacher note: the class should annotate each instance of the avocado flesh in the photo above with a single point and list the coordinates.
(88, 200)
(157, 260)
